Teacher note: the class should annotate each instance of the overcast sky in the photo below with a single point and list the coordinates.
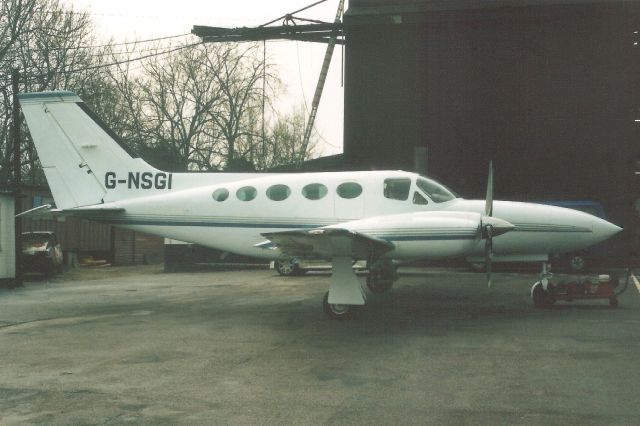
(298, 62)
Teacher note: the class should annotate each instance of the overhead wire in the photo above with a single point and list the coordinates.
(123, 43)
(114, 63)
(304, 100)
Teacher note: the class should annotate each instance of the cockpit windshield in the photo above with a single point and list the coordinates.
(438, 193)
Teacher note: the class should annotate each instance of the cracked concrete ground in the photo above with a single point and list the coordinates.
(135, 345)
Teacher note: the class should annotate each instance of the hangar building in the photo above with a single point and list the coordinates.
(547, 89)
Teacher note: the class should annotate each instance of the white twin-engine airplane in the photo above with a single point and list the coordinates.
(376, 216)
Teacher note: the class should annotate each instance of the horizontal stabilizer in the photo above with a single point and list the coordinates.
(47, 211)
(40, 211)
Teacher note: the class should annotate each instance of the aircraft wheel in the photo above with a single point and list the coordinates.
(288, 267)
(378, 285)
(576, 263)
(337, 311)
(382, 275)
(541, 298)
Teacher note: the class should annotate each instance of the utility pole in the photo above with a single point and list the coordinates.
(17, 173)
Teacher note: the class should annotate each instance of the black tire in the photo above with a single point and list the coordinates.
(542, 299)
(288, 267)
(339, 312)
(378, 285)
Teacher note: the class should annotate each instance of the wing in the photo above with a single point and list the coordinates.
(327, 243)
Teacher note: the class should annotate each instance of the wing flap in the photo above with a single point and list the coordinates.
(327, 243)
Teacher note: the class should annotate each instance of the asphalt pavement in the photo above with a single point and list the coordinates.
(138, 346)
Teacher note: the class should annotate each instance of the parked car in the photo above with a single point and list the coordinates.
(41, 252)
(296, 267)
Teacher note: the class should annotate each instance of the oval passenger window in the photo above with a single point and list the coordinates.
(278, 192)
(246, 193)
(220, 194)
(349, 190)
(314, 191)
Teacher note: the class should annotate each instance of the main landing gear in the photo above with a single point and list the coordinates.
(338, 311)
(382, 275)
(345, 294)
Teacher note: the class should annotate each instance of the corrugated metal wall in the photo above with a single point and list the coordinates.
(136, 248)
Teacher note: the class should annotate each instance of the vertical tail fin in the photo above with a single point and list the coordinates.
(76, 150)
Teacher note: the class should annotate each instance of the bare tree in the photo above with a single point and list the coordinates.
(47, 42)
(194, 107)
(285, 142)
(198, 109)
(240, 77)
(15, 16)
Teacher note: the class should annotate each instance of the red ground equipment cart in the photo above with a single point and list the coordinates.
(579, 288)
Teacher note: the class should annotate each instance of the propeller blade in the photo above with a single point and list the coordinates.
(488, 253)
(488, 208)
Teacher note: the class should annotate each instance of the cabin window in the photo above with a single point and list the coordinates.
(220, 194)
(419, 199)
(278, 192)
(397, 188)
(314, 191)
(434, 190)
(246, 193)
(349, 190)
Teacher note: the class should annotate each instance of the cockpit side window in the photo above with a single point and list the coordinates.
(397, 188)
(435, 191)
(419, 199)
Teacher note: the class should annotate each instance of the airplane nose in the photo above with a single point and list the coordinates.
(603, 230)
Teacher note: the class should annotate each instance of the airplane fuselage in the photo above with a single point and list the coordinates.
(395, 206)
